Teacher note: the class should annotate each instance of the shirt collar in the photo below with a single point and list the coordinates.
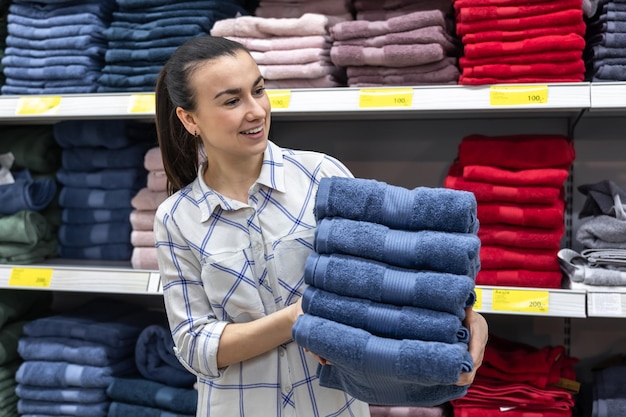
(272, 176)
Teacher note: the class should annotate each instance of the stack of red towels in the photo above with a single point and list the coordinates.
(519, 380)
(518, 181)
(520, 41)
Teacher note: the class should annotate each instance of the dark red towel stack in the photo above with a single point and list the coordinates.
(520, 41)
(518, 183)
(519, 380)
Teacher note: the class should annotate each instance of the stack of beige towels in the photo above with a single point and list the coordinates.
(145, 204)
(399, 42)
(292, 52)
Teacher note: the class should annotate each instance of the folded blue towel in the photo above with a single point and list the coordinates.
(198, 8)
(154, 354)
(69, 42)
(62, 20)
(110, 134)
(384, 391)
(160, 28)
(610, 73)
(72, 395)
(455, 253)
(41, 10)
(112, 252)
(81, 235)
(93, 158)
(154, 43)
(362, 278)
(94, 51)
(371, 359)
(8, 90)
(120, 409)
(136, 69)
(64, 374)
(110, 322)
(385, 320)
(164, 5)
(50, 408)
(27, 193)
(154, 394)
(128, 7)
(26, 62)
(421, 208)
(72, 350)
(41, 33)
(134, 178)
(155, 55)
(88, 198)
(56, 72)
(125, 81)
(91, 216)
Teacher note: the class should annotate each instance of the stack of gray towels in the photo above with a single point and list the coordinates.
(101, 172)
(605, 52)
(55, 46)
(389, 282)
(144, 33)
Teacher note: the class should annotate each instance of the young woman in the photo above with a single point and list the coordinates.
(233, 238)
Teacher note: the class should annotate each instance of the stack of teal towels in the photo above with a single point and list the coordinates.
(388, 286)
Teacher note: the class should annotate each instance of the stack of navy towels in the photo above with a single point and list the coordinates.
(55, 46)
(101, 171)
(389, 282)
(71, 358)
(144, 33)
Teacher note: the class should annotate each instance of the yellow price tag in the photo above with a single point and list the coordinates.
(386, 97)
(478, 304)
(523, 301)
(38, 105)
(513, 95)
(30, 277)
(279, 99)
(142, 103)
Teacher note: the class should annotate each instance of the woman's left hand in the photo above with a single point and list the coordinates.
(479, 334)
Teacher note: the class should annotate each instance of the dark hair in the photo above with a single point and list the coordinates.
(179, 148)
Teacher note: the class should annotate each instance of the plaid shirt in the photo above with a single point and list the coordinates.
(223, 261)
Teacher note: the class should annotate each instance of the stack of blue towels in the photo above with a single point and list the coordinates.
(71, 358)
(605, 52)
(101, 171)
(55, 46)
(388, 285)
(144, 33)
(161, 387)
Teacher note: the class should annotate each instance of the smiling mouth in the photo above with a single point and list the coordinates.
(253, 131)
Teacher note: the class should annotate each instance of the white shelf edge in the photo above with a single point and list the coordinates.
(311, 101)
(87, 279)
(606, 302)
(562, 302)
(608, 96)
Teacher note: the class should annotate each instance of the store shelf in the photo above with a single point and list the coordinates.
(606, 302)
(608, 96)
(80, 278)
(358, 103)
(531, 301)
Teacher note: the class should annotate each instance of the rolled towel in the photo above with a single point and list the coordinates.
(385, 320)
(456, 253)
(154, 355)
(421, 208)
(148, 393)
(385, 371)
(363, 278)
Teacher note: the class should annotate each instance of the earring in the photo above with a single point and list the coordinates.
(195, 134)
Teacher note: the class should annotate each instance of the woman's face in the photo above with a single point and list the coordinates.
(232, 108)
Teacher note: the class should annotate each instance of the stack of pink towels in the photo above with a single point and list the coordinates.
(145, 204)
(296, 8)
(290, 52)
(417, 48)
(520, 41)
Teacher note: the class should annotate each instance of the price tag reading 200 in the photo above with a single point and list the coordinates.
(522, 301)
(385, 97)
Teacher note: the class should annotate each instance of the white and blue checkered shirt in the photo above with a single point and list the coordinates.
(223, 261)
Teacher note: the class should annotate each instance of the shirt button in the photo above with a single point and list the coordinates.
(288, 389)
(282, 352)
